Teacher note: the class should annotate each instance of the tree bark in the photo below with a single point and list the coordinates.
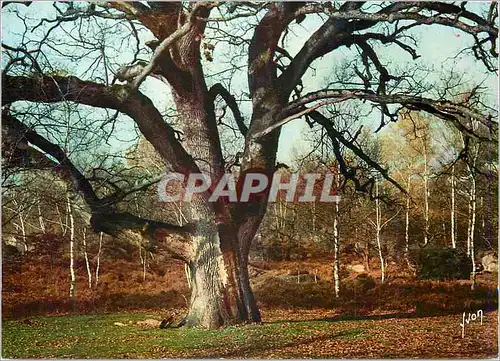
(336, 242)
(426, 194)
(472, 229)
(72, 284)
(87, 263)
(453, 240)
(472, 215)
(407, 216)
(98, 259)
(378, 229)
(40, 217)
(469, 223)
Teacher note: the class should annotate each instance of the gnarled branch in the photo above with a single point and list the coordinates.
(173, 238)
(119, 97)
(446, 110)
(218, 89)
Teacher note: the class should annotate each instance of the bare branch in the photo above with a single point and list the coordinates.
(162, 47)
(25, 3)
(218, 89)
(122, 98)
(174, 238)
(390, 219)
(456, 113)
(301, 113)
(334, 134)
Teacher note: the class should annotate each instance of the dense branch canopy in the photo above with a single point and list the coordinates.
(103, 43)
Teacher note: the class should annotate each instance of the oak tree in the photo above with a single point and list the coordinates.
(215, 240)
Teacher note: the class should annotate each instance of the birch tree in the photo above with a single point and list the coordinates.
(336, 241)
(98, 259)
(379, 225)
(452, 211)
(85, 253)
(471, 165)
(72, 282)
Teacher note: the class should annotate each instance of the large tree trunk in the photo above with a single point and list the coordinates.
(221, 293)
(453, 240)
(218, 270)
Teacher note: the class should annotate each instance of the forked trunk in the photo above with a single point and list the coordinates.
(218, 268)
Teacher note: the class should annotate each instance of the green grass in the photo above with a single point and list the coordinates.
(96, 336)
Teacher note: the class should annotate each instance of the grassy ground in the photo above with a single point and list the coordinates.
(305, 334)
(402, 318)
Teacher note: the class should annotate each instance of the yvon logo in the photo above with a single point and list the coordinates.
(472, 317)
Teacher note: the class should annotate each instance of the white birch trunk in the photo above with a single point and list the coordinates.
(453, 239)
(473, 223)
(378, 228)
(143, 263)
(472, 229)
(22, 225)
(23, 230)
(61, 223)
(40, 218)
(72, 284)
(336, 244)
(89, 273)
(426, 197)
(469, 224)
(98, 260)
(407, 216)
(472, 208)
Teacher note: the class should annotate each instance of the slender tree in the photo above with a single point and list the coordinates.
(452, 212)
(379, 225)
(336, 241)
(98, 259)
(72, 281)
(216, 240)
(86, 255)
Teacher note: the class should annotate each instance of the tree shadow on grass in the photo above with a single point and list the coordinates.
(254, 348)
(387, 316)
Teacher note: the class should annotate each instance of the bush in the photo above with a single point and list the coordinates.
(362, 283)
(442, 263)
(280, 292)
